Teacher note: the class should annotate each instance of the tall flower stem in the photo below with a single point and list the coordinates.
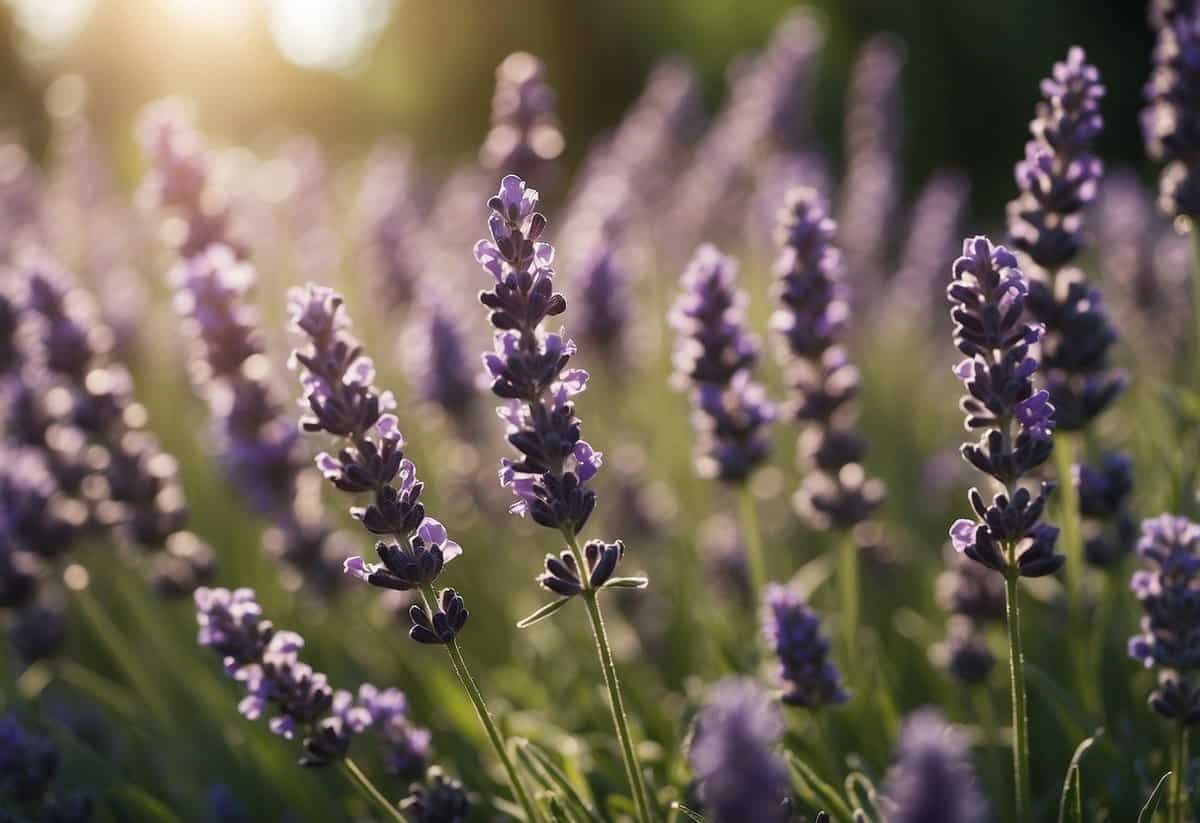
(752, 540)
(1071, 540)
(633, 772)
(1016, 670)
(848, 590)
(459, 664)
(1179, 783)
(1194, 237)
(369, 790)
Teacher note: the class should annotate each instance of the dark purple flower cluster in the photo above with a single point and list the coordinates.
(437, 353)
(739, 773)
(1171, 118)
(1104, 491)
(529, 367)
(715, 356)
(1169, 593)
(793, 632)
(257, 443)
(932, 778)
(525, 138)
(438, 799)
(267, 662)
(988, 298)
(342, 400)
(605, 294)
(974, 597)
(179, 182)
(1059, 174)
(811, 321)
(28, 769)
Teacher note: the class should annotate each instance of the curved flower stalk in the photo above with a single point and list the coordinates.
(256, 442)
(300, 701)
(811, 322)
(870, 191)
(525, 137)
(29, 770)
(932, 778)
(734, 756)
(988, 296)
(531, 374)
(342, 401)
(1170, 628)
(793, 631)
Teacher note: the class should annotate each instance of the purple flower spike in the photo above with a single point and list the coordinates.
(933, 778)
(793, 631)
(525, 138)
(715, 356)
(1169, 120)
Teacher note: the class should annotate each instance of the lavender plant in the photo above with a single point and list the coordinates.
(530, 374)
(793, 632)
(1166, 591)
(342, 401)
(811, 322)
(932, 778)
(525, 137)
(29, 768)
(987, 295)
(715, 356)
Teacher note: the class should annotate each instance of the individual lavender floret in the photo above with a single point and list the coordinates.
(342, 401)
(529, 367)
(1059, 174)
(1170, 121)
(715, 356)
(793, 632)
(811, 322)
(525, 138)
(932, 778)
(28, 768)
(385, 712)
(1170, 629)
(1104, 492)
(256, 441)
(988, 296)
(733, 756)
(439, 799)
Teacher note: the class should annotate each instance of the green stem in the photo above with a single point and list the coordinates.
(459, 664)
(369, 790)
(848, 589)
(1179, 782)
(1016, 670)
(752, 539)
(633, 772)
(1194, 236)
(1071, 540)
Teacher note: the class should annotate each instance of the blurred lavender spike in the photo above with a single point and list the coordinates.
(932, 243)
(873, 136)
(1169, 118)
(438, 799)
(734, 756)
(932, 778)
(30, 772)
(22, 218)
(525, 138)
(388, 216)
(793, 632)
(435, 349)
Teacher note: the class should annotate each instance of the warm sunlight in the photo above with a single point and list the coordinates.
(325, 34)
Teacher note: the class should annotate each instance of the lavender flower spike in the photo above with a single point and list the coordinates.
(988, 296)
(715, 355)
(1170, 632)
(342, 401)
(525, 137)
(733, 755)
(793, 631)
(933, 778)
(1170, 125)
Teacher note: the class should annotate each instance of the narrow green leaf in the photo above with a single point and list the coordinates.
(1147, 813)
(695, 817)
(816, 791)
(544, 612)
(627, 583)
(1070, 805)
(149, 808)
(543, 769)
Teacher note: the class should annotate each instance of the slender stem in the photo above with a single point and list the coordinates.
(752, 539)
(1179, 781)
(459, 664)
(848, 589)
(1071, 540)
(1016, 669)
(1194, 236)
(633, 772)
(369, 790)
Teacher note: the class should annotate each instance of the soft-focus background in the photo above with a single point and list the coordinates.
(351, 70)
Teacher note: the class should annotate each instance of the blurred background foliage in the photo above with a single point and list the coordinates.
(349, 71)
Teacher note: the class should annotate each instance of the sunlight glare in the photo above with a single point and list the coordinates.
(326, 34)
